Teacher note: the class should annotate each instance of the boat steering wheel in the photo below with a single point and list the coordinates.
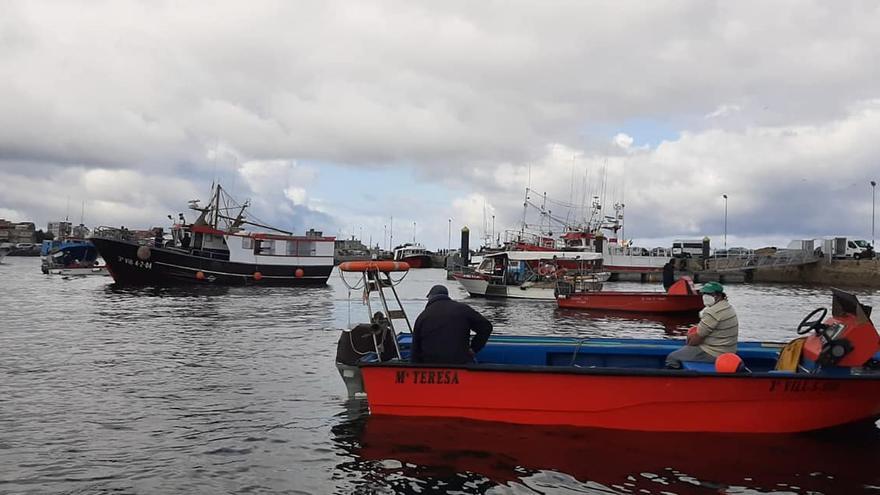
(808, 324)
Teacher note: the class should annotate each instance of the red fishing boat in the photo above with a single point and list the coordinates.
(681, 297)
(827, 379)
(413, 255)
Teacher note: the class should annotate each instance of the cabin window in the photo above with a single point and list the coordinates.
(305, 248)
(291, 248)
(266, 247)
(247, 243)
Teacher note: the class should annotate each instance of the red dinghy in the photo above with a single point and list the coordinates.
(682, 297)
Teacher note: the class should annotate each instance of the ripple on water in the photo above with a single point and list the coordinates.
(217, 390)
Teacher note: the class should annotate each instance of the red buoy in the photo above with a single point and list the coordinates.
(728, 363)
(200, 275)
(258, 276)
(299, 272)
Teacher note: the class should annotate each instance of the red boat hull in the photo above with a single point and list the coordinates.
(624, 399)
(643, 302)
(417, 261)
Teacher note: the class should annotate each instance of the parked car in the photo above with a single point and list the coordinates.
(739, 251)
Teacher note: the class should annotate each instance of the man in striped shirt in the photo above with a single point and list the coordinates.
(716, 333)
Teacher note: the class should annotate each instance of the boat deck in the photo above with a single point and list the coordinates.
(599, 352)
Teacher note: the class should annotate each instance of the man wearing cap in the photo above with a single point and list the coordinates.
(716, 333)
(442, 333)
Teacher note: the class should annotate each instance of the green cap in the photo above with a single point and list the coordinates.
(711, 288)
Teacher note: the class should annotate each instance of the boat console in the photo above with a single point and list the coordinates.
(847, 339)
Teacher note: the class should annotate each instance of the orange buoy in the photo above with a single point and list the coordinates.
(374, 266)
(258, 276)
(299, 272)
(143, 253)
(200, 275)
(728, 363)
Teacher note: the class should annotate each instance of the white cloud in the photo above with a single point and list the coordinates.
(296, 195)
(623, 141)
(782, 181)
(723, 111)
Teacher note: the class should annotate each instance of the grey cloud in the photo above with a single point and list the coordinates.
(459, 90)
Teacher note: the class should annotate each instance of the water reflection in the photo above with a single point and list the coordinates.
(414, 454)
(671, 324)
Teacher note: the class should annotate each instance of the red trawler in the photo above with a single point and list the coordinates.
(681, 297)
(413, 255)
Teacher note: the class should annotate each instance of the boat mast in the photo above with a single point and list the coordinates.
(216, 221)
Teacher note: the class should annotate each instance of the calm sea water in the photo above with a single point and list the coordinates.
(234, 390)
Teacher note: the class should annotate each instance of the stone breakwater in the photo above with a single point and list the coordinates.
(842, 273)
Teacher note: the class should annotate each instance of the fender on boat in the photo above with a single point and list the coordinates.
(374, 266)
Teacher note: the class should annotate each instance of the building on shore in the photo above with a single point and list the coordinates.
(17, 232)
(351, 250)
(60, 229)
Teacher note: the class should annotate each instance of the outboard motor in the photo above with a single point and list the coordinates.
(374, 341)
(847, 339)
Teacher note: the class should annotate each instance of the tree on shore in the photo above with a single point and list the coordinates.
(40, 236)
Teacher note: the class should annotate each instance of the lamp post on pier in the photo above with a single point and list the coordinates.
(725, 221)
(493, 230)
(873, 203)
(449, 237)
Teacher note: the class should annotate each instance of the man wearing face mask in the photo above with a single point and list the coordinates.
(716, 333)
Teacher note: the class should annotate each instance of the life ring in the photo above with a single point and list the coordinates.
(374, 266)
(560, 273)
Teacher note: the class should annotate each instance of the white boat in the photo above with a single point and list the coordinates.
(532, 274)
(99, 270)
(5, 248)
(594, 232)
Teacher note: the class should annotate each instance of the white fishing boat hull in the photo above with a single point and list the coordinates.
(96, 271)
(480, 287)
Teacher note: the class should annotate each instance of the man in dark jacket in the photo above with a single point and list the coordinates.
(668, 275)
(442, 333)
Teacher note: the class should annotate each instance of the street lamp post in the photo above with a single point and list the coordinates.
(449, 237)
(493, 230)
(725, 221)
(873, 203)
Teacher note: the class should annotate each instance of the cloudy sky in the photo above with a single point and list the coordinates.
(342, 115)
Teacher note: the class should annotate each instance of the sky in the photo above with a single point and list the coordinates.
(416, 118)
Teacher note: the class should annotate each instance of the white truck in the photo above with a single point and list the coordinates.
(687, 248)
(844, 248)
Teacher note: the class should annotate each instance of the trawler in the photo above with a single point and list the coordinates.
(217, 248)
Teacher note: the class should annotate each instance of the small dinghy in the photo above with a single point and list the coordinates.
(681, 297)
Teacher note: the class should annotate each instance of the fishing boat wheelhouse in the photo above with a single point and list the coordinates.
(216, 249)
(532, 274)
